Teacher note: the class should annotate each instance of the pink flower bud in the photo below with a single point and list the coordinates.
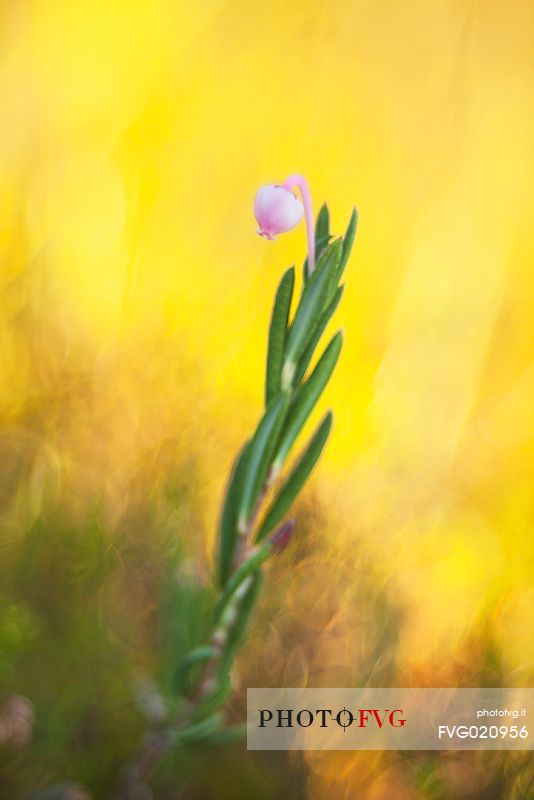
(277, 210)
(281, 537)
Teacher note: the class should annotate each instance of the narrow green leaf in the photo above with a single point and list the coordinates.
(199, 732)
(320, 244)
(228, 523)
(297, 478)
(310, 307)
(278, 334)
(319, 329)
(212, 735)
(322, 225)
(306, 398)
(249, 566)
(332, 259)
(259, 458)
(184, 665)
(348, 241)
(227, 735)
(237, 630)
(214, 700)
(322, 235)
(332, 252)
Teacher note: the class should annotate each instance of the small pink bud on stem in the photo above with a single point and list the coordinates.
(281, 538)
(277, 210)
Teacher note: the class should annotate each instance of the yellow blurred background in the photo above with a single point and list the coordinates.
(135, 298)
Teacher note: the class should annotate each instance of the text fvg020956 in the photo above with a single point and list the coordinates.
(482, 731)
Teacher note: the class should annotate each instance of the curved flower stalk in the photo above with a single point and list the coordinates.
(277, 209)
(252, 531)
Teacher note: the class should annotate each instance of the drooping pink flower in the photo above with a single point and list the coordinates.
(277, 209)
